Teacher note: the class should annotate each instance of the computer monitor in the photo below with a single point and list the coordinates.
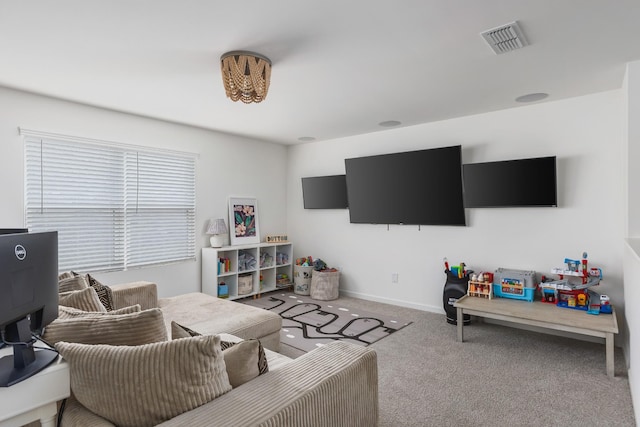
(28, 300)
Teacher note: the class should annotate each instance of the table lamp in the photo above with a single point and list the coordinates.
(217, 229)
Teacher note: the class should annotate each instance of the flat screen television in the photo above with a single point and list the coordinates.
(28, 300)
(325, 192)
(511, 183)
(417, 187)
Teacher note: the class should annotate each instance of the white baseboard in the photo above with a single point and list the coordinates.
(401, 303)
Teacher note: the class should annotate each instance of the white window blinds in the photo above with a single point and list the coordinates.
(114, 207)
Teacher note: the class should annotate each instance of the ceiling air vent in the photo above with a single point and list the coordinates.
(505, 38)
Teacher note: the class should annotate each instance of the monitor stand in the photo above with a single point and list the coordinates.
(25, 361)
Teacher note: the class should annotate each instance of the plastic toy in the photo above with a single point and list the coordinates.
(223, 290)
(459, 271)
(578, 296)
(515, 284)
(480, 286)
(605, 304)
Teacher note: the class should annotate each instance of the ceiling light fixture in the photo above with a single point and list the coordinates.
(245, 76)
(306, 138)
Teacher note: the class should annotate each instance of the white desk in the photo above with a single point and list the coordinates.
(34, 398)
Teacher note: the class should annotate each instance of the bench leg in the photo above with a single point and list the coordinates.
(460, 324)
(609, 355)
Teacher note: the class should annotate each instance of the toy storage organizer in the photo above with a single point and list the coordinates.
(480, 289)
(302, 279)
(239, 271)
(515, 284)
(454, 288)
(325, 285)
(245, 284)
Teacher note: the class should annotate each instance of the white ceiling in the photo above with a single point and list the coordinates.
(339, 67)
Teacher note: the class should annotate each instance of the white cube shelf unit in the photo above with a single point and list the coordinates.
(262, 262)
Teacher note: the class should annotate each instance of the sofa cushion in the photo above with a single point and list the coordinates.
(148, 384)
(244, 360)
(66, 275)
(85, 300)
(72, 283)
(141, 292)
(275, 360)
(65, 312)
(210, 316)
(136, 328)
(179, 331)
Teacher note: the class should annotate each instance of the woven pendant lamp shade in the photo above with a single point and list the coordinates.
(245, 76)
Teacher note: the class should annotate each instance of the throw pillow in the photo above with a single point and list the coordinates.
(245, 360)
(70, 312)
(66, 275)
(86, 300)
(104, 292)
(179, 331)
(148, 384)
(72, 283)
(139, 328)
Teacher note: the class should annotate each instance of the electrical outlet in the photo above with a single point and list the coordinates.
(394, 277)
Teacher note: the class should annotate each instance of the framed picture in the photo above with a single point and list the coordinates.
(243, 219)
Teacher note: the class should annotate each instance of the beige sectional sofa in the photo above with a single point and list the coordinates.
(334, 385)
(204, 313)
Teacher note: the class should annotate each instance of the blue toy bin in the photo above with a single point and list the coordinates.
(513, 292)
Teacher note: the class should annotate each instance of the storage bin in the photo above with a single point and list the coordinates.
(245, 284)
(223, 290)
(506, 290)
(302, 279)
(325, 285)
(526, 277)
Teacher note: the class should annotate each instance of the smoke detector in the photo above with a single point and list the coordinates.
(505, 38)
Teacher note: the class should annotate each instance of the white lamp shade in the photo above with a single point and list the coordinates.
(217, 226)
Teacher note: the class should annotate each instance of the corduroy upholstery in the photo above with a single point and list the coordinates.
(65, 312)
(85, 299)
(128, 294)
(335, 385)
(72, 283)
(332, 386)
(137, 386)
(143, 327)
(245, 360)
(209, 315)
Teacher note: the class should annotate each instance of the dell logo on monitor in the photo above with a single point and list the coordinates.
(21, 252)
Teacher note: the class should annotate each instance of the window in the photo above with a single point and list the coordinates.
(114, 206)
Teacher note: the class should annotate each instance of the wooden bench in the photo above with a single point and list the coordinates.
(544, 316)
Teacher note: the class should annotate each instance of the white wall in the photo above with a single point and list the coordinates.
(584, 133)
(227, 165)
(632, 249)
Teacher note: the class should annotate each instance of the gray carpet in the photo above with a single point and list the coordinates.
(499, 376)
(309, 323)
